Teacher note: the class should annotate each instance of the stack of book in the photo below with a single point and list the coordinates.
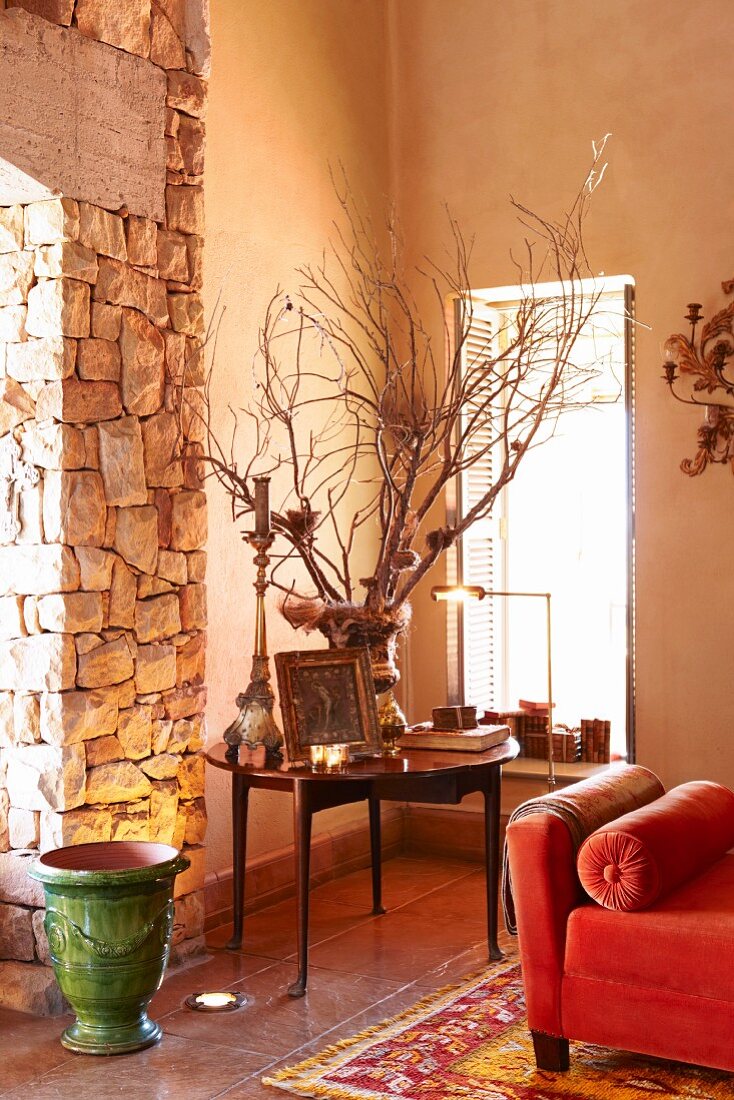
(527, 706)
(595, 740)
(511, 718)
(566, 744)
(455, 718)
(428, 736)
(534, 740)
(588, 743)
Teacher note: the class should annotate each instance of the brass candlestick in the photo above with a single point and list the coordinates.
(255, 724)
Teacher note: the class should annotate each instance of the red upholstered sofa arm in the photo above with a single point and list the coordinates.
(542, 839)
(546, 888)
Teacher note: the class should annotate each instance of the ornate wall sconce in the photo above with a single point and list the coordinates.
(706, 361)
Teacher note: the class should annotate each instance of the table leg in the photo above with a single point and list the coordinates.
(240, 795)
(376, 848)
(302, 814)
(492, 858)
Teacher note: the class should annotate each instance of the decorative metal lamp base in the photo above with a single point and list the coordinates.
(255, 725)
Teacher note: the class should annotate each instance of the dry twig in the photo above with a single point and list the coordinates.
(351, 400)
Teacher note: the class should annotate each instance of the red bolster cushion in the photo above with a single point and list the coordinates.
(631, 862)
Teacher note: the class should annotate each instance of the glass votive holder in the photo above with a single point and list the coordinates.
(317, 753)
(335, 757)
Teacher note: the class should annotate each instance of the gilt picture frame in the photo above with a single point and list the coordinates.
(327, 697)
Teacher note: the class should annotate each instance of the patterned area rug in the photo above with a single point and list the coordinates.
(472, 1043)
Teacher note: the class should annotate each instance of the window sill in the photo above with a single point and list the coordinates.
(529, 768)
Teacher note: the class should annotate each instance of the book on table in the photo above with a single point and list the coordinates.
(426, 736)
(529, 706)
(455, 718)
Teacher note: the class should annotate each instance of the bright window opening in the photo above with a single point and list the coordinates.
(563, 526)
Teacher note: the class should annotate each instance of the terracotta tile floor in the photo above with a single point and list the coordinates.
(362, 969)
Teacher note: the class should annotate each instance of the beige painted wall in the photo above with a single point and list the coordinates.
(493, 99)
(489, 99)
(296, 85)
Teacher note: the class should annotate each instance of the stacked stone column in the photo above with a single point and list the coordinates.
(102, 518)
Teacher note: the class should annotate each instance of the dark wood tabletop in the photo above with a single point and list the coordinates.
(411, 762)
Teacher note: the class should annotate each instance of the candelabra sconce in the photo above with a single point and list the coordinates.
(706, 361)
(255, 725)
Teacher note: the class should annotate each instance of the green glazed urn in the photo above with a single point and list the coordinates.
(109, 921)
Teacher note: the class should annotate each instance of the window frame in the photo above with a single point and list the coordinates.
(494, 298)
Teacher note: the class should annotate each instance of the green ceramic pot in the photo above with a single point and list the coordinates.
(109, 920)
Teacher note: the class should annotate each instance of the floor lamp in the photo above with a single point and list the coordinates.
(463, 592)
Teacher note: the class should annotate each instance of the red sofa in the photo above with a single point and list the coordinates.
(652, 969)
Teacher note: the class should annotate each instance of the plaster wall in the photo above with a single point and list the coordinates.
(477, 103)
(494, 99)
(294, 88)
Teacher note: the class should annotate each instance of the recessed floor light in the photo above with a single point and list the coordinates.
(216, 1002)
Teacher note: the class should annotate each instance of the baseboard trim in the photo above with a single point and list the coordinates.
(270, 877)
(446, 833)
(411, 829)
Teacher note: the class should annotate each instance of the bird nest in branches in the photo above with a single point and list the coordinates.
(345, 623)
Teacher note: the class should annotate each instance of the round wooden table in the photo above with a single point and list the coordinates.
(420, 775)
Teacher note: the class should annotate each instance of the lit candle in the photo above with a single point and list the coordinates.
(317, 756)
(332, 756)
(335, 756)
(262, 506)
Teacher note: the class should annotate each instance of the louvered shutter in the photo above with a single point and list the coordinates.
(481, 552)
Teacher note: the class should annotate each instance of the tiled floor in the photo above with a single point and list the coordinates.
(362, 969)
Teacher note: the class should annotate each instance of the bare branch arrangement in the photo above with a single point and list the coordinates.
(362, 423)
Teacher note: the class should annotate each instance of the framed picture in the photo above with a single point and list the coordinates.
(327, 697)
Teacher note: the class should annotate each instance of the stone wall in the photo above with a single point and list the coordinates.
(102, 511)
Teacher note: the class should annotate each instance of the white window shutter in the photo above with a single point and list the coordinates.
(481, 553)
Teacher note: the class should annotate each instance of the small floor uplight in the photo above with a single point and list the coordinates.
(216, 1002)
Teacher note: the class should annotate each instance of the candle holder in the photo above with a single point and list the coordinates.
(316, 754)
(255, 725)
(705, 362)
(336, 757)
